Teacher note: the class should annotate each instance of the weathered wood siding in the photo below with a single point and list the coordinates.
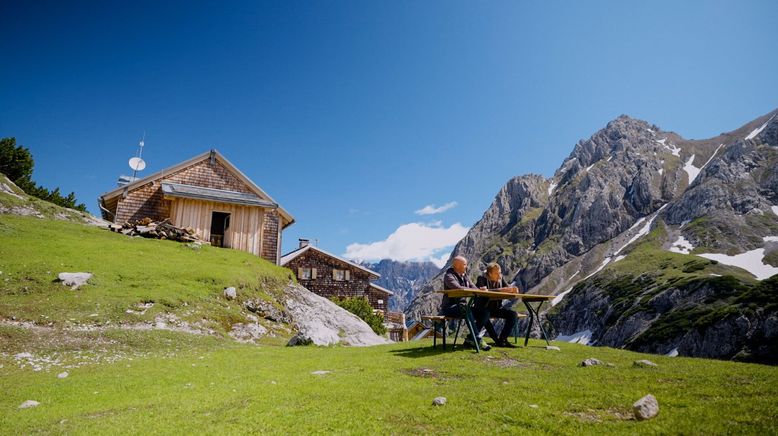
(252, 229)
(244, 233)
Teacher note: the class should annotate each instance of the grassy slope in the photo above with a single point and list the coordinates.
(127, 271)
(131, 381)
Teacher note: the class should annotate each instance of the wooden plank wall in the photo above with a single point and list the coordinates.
(245, 232)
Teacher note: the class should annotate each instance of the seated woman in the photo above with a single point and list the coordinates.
(493, 279)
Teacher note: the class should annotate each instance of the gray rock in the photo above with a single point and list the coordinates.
(247, 332)
(230, 293)
(267, 310)
(645, 408)
(29, 403)
(299, 339)
(74, 280)
(439, 401)
(644, 363)
(321, 322)
(63, 375)
(553, 348)
(320, 372)
(591, 362)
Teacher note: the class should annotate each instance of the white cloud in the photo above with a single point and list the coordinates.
(430, 209)
(413, 241)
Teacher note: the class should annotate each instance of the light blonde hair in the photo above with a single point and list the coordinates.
(492, 266)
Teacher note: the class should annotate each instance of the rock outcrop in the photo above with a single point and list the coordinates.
(319, 321)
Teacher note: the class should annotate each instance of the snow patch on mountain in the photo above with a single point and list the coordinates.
(682, 246)
(751, 261)
(758, 130)
(583, 337)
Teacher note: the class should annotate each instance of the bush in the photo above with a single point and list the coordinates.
(16, 163)
(361, 308)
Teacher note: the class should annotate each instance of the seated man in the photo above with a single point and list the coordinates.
(493, 279)
(456, 278)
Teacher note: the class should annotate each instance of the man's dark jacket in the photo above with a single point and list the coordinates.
(452, 280)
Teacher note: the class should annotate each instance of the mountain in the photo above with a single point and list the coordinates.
(405, 279)
(640, 227)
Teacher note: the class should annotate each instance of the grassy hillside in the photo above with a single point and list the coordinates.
(144, 380)
(128, 272)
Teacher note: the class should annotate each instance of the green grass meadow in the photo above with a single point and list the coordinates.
(225, 388)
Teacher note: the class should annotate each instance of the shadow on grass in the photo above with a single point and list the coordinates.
(427, 351)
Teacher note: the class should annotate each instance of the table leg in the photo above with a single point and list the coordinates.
(533, 316)
(471, 323)
(529, 323)
(540, 324)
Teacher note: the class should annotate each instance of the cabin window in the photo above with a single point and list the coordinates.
(341, 275)
(306, 273)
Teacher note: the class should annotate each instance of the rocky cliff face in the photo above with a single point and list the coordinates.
(405, 279)
(718, 195)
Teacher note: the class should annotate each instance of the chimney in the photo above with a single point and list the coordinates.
(303, 242)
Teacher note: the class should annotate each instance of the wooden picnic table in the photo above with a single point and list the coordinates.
(501, 294)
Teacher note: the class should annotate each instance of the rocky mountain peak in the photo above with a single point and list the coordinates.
(609, 191)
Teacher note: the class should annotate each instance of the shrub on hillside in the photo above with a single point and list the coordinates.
(361, 308)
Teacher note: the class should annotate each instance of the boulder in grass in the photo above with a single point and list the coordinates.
(28, 404)
(644, 364)
(74, 280)
(230, 293)
(591, 362)
(645, 408)
(439, 401)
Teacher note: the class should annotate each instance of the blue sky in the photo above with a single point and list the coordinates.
(356, 115)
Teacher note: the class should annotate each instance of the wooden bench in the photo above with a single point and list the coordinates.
(443, 321)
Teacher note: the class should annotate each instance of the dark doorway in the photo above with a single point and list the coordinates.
(220, 223)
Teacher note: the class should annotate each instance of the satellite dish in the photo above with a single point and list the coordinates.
(137, 164)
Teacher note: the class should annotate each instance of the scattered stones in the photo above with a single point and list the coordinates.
(23, 356)
(644, 363)
(553, 348)
(29, 403)
(74, 280)
(230, 293)
(591, 362)
(439, 401)
(646, 408)
(267, 310)
(63, 375)
(320, 372)
(247, 332)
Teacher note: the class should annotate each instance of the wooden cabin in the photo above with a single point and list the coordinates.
(331, 276)
(210, 195)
